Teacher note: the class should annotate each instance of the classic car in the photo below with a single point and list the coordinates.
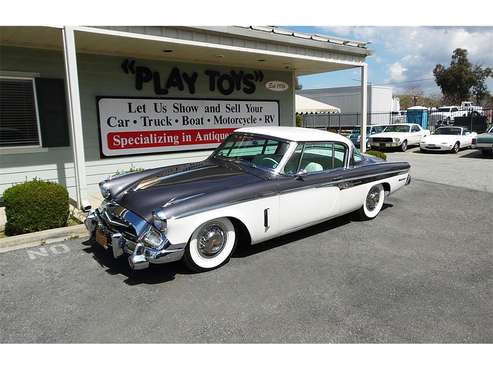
(355, 135)
(399, 136)
(260, 183)
(447, 138)
(484, 142)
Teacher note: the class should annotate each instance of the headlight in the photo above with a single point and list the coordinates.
(159, 221)
(104, 188)
(153, 238)
(396, 139)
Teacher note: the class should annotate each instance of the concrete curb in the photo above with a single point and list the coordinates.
(12, 243)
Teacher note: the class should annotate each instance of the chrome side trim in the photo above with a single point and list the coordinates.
(345, 181)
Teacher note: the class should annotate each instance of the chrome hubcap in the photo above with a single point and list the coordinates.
(211, 240)
(372, 198)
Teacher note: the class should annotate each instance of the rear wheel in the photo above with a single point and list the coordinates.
(211, 245)
(373, 203)
(455, 148)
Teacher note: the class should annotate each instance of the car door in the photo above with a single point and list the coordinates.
(416, 135)
(465, 138)
(307, 192)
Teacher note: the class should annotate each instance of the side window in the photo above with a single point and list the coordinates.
(455, 109)
(339, 155)
(316, 157)
(415, 128)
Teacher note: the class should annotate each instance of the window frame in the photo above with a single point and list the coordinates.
(346, 157)
(32, 78)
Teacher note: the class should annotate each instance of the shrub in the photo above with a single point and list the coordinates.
(34, 206)
(130, 170)
(299, 120)
(378, 154)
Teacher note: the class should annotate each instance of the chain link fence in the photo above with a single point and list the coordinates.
(477, 120)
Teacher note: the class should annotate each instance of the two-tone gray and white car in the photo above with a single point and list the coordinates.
(260, 183)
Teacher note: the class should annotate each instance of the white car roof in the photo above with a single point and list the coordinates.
(295, 133)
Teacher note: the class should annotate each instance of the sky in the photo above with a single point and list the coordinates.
(404, 57)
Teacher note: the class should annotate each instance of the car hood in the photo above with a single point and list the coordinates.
(390, 134)
(175, 184)
(438, 139)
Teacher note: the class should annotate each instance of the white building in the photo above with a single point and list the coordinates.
(348, 99)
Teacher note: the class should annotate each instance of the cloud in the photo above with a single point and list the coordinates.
(397, 72)
(411, 53)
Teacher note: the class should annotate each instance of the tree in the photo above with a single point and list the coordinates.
(479, 90)
(461, 78)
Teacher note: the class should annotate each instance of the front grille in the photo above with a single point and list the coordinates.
(382, 139)
(113, 217)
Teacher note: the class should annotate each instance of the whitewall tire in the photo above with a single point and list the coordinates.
(373, 202)
(211, 245)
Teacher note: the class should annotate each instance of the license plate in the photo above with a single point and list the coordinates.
(101, 239)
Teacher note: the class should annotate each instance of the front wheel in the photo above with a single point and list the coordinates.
(403, 146)
(456, 148)
(211, 245)
(373, 203)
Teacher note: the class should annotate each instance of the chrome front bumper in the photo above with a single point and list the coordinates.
(139, 255)
(383, 144)
(435, 147)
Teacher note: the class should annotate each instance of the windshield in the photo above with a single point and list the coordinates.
(369, 130)
(444, 109)
(397, 128)
(378, 129)
(448, 131)
(253, 150)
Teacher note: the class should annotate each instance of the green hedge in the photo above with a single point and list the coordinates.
(34, 206)
(378, 154)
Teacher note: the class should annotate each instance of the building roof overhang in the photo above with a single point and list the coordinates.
(147, 43)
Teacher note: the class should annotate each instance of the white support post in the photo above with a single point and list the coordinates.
(293, 84)
(75, 117)
(364, 106)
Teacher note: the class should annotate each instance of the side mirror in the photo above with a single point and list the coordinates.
(301, 174)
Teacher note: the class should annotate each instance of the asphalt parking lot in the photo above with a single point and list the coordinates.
(421, 271)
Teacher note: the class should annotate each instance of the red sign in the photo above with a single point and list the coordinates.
(156, 125)
(152, 139)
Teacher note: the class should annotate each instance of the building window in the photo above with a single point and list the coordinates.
(19, 122)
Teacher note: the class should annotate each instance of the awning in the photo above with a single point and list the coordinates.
(307, 105)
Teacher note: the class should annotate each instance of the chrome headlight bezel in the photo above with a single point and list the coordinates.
(105, 189)
(396, 140)
(153, 238)
(159, 221)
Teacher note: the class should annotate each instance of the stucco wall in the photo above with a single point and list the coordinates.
(99, 76)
